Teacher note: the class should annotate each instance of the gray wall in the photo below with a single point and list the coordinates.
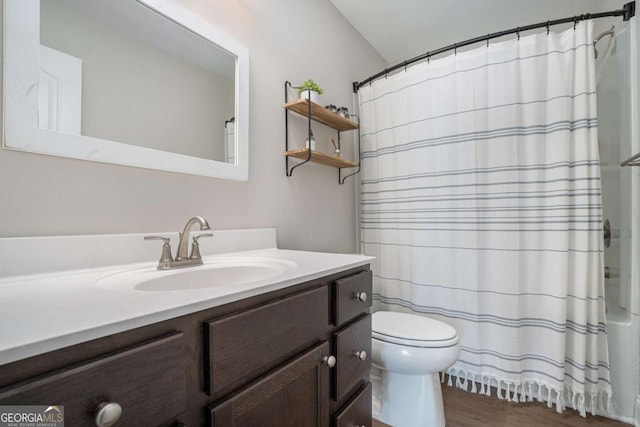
(288, 40)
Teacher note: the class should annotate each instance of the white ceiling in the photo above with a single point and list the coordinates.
(402, 29)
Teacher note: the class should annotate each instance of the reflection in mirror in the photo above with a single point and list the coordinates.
(137, 79)
(144, 83)
(229, 139)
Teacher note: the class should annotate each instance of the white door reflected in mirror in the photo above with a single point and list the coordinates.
(60, 92)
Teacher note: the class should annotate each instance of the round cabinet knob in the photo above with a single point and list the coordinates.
(108, 414)
(330, 361)
(362, 355)
(360, 296)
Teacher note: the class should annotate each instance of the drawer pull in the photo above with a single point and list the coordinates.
(108, 414)
(330, 361)
(360, 296)
(362, 355)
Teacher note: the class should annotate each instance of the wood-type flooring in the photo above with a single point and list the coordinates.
(463, 409)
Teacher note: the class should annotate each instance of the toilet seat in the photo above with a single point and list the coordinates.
(412, 330)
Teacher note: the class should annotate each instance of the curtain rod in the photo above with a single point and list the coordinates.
(627, 12)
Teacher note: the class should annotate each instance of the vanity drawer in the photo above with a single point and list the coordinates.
(147, 381)
(352, 297)
(357, 412)
(242, 346)
(353, 353)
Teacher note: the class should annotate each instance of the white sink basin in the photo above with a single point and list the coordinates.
(223, 272)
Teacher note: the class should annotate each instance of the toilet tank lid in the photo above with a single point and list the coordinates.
(413, 327)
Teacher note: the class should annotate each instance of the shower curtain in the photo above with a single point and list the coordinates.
(480, 198)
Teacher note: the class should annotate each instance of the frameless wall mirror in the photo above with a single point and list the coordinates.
(141, 83)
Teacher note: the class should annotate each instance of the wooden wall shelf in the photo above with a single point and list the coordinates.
(321, 115)
(322, 158)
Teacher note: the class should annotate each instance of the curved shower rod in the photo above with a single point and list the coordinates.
(627, 12)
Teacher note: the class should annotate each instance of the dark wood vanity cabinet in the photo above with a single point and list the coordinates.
(298, 356)
(295, 361)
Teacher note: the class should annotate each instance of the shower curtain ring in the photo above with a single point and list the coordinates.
(488, 39)
(548, 27)
(575, 21)
(386, 73)
(455, 48)
(518, 32)
(428, 57)
(405, 66)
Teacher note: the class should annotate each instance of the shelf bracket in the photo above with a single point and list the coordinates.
(289, 171)
(357, 171)
(342, 180)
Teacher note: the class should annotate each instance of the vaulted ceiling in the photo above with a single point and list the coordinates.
(402, 29)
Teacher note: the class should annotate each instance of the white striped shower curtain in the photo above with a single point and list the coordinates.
(480, 198)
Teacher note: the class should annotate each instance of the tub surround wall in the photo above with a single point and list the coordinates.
(44, 195)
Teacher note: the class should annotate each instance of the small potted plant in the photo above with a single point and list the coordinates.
(310, 90)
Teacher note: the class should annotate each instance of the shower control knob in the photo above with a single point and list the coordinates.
(360, 296)
(108, 414)
(330, 361)
(362, 355)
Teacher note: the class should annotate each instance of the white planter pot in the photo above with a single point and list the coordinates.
(310, 94)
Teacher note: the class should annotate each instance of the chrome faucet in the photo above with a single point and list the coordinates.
(183, 259)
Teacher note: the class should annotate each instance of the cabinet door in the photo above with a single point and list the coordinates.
(295, 395)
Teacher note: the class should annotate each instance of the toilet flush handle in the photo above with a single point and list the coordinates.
(360, 296)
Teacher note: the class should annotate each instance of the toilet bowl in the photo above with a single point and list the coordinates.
(410, 350)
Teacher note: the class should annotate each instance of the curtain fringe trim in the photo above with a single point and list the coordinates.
(529, 391)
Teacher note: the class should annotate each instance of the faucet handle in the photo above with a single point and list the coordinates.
(195, 246)
(166, 258)
(195, 238)
(166, 240)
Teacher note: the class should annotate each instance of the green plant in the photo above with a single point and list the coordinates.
(310, 85)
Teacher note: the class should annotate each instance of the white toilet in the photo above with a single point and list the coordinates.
(410, 350)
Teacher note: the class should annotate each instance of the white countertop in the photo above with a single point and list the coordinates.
(47, 311)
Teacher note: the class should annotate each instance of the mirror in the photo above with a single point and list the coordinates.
(142, 83)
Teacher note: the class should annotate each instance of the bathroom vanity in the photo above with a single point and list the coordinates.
(289, 350)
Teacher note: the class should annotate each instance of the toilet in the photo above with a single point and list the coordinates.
(410, 350)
